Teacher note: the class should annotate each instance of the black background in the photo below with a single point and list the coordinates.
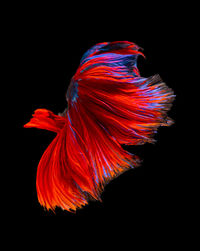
(46, 48)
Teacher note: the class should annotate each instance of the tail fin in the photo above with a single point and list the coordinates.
(109, 104)
(76, 165)
(60, 173)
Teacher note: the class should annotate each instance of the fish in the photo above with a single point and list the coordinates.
(109, 104)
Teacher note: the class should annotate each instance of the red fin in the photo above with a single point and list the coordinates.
(45, 119)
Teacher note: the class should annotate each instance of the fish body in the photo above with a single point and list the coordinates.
(109, 105)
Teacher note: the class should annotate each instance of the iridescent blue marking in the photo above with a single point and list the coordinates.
(69, 118)
(113, 58)
(107, 174)
(95, 172)
(72, 92)
(90, 51)
(71, 125)
(104, 172)
(103, 48)
(118, 64)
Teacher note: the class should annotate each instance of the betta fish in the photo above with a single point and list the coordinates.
(109, 105)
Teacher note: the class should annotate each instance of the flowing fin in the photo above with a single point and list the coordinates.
(45, 119)
(64, 173)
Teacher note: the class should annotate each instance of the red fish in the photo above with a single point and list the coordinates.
(109, 105)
